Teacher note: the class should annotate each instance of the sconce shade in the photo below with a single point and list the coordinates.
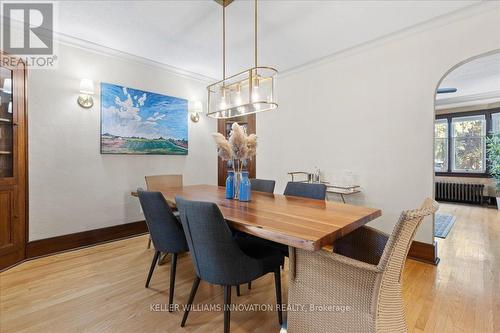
(245, 93)
(87, 87)
(7, 86)
(196, 106)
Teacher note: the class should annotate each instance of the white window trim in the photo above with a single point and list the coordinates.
(495, 115)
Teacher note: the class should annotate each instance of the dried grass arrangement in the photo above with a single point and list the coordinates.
(238, 149)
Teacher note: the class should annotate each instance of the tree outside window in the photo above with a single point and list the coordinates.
(468, 144)
(441, 145)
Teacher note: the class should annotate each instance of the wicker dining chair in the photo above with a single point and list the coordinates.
(360, 281)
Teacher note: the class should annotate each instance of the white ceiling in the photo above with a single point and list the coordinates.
(187, 34)
(478, 76)
(477, 81)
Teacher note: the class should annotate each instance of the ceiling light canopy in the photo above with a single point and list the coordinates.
(248, 92)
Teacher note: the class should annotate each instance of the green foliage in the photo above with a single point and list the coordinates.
(493, 154)
(441, 146)
(468, 145)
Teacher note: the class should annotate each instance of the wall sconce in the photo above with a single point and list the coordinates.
(196, 109)
(85, 99)
(7, 86)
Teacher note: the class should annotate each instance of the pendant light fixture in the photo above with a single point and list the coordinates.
(250, 91)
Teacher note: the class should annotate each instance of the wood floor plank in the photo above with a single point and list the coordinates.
(101, 288)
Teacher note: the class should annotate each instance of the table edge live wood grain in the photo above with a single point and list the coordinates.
(294, 221)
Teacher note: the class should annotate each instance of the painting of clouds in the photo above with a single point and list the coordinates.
(139, 122)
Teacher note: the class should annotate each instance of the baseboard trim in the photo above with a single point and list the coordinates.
(420, 251)
(47, 246)
(424, 252)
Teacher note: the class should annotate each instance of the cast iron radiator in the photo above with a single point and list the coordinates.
(457, 192)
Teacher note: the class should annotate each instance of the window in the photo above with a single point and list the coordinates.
(495, 122)
(441, 145)
(460, 142)
(468, 144)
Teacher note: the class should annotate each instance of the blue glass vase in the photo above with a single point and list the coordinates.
(245, 187)
(230, 185)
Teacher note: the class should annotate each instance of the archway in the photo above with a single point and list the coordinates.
(467, 112)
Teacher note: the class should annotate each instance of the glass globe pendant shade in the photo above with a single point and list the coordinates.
(248, 92)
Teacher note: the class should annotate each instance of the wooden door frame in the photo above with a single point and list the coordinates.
(20, 176)
(250, 120)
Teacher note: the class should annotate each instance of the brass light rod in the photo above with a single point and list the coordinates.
(224, 3)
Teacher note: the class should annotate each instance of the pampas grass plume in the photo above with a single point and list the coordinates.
(238, 141)
(223, 147)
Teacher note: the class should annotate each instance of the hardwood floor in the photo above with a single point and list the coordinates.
(101, 289)
(461, 294)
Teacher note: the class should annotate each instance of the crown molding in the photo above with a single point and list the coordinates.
(86, 45)
(468, 100)
(458, 15)
(107, 51)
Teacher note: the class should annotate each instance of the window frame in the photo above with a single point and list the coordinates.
(444, 121)
(496, 114)
(452, 154)
(449, 116)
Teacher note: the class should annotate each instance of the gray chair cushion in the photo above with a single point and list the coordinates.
(262, 185)
(306, 190)
(216, 256)
(164, 228)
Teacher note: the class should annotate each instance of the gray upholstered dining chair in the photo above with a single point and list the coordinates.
(362, 277)
(306, 190)
(159, 182)
(165, 231)
(220, 259)
(262, 185)
(259, 185)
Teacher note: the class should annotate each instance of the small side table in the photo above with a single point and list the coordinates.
(343, 190)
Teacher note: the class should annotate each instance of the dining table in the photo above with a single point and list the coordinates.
(300, 223)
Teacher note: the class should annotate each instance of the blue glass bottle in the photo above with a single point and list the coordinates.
(230, 185)
(245, 187)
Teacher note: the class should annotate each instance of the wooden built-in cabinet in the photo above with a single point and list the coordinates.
(13, 164)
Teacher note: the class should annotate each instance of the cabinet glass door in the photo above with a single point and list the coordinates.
(6, 124)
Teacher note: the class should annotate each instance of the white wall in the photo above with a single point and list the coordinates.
(72, 187)
(371, 110)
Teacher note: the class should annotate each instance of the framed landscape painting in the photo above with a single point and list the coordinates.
(142, 123)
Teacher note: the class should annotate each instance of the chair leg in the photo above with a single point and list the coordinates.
(227, 309)
(173, 266)
(250, 285)
(149, 243)
(277, 283)
(194, 288)
(152, 268)
(238, 290)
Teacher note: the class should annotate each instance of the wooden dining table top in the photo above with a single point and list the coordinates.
(295, 221)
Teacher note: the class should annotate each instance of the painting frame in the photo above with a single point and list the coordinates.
(139, 122)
